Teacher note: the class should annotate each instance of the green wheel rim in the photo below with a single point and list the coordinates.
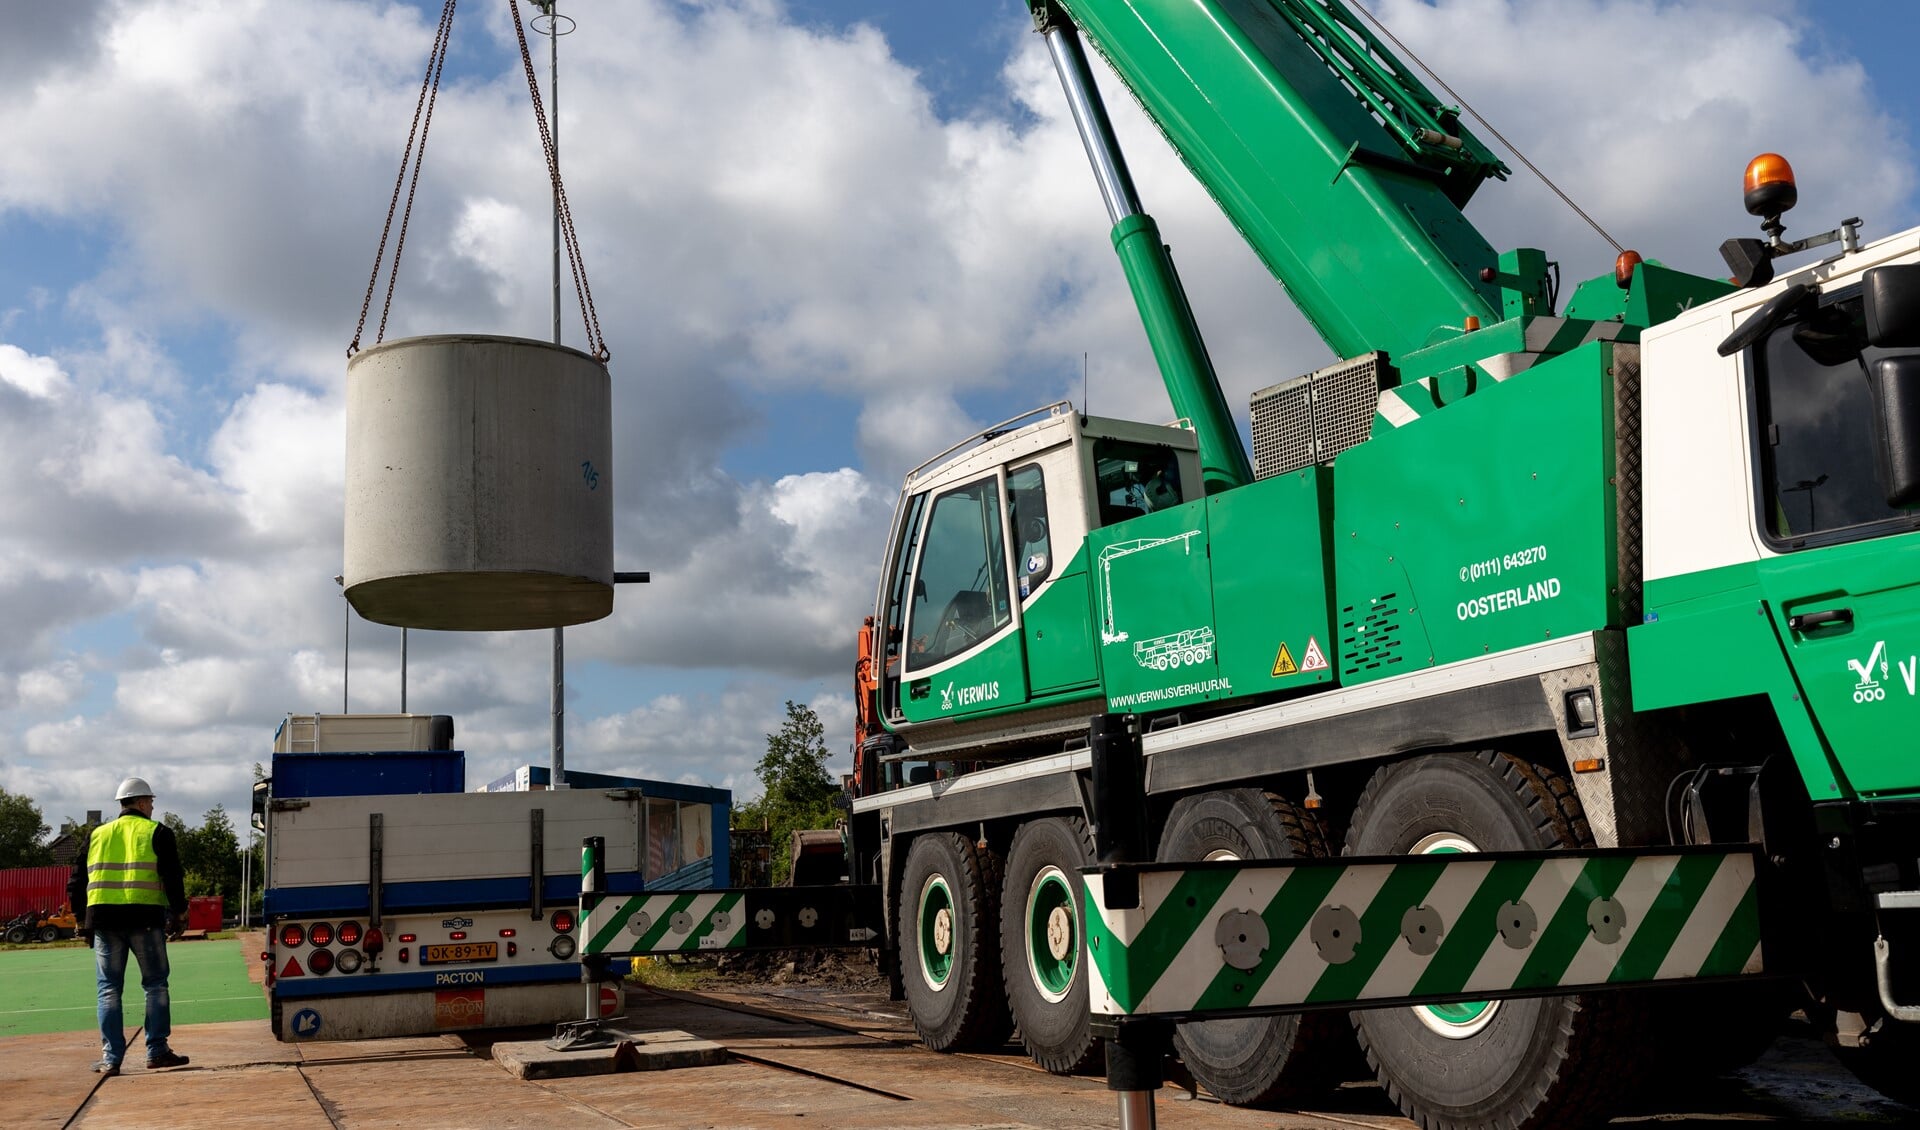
(1053, 934)
(936, 926)
(1456, 1020)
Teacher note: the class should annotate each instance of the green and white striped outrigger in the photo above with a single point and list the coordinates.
(755, 918)
(1226, 937)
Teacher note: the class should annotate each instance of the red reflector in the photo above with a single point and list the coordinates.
(320, 961)
(513, 948)
(507, 933)
(349, 933)
(403, 953)
(406, 937)
(458, 935)
(563, 921)
(320, 934)
(292, 968)
(292, 935)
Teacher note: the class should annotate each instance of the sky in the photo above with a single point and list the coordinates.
(826, 239)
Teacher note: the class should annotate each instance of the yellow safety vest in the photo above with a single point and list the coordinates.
(122, 869)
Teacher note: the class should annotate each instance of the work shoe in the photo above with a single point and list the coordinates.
(166, 1059)
(104, 1067)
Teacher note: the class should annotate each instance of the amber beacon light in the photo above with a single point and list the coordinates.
(1770, 189)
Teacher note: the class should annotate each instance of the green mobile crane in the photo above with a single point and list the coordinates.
(1556, 592)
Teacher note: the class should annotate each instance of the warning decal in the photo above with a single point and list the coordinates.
(1312, 659)
(1283, 663)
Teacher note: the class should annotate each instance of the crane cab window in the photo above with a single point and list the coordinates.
(1032, 540)
(906, 538)
(1818, 474)
(960, 593)
(1131, 479)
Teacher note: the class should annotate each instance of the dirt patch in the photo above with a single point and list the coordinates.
(836, 969)
(813, 968)
(253, 943)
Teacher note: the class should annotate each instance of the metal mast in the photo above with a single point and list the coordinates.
(553, 30)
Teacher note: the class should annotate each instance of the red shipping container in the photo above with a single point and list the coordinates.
(203, 912)
(32, 888)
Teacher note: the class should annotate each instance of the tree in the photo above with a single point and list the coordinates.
(22, 832)
(209, 855)
(798, 792)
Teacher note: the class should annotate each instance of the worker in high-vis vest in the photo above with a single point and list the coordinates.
(135, 895)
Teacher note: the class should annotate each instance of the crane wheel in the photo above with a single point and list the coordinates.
(1522, 1064)
(1269, 1060)
(1043, 942)
(950, 945)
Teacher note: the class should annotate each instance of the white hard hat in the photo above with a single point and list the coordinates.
(133, 788)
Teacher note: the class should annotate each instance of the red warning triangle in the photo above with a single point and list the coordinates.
(293, 968)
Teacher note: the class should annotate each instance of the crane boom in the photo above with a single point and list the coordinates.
(1342, 172)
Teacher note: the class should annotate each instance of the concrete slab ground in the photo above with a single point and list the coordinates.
(866, 1074)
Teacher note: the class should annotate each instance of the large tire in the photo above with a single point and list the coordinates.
(49, 933)
(18, 935)
(949, 944)
(1516, 1064)
(1043, 942)
(1887, 1063)
(1269, 1060)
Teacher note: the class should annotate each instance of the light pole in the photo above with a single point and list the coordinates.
(346, 642)
(553, 25)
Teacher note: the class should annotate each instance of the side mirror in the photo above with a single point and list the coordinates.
(1892, 301)
(1750, 260)
(1895, 383)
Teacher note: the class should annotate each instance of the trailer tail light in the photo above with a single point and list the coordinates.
(403, 955)
(458, 936)
(563, 947)
(292, 935)
(320, 934)
(563, 921)
(407, 937)
(513, 949)
(508, 933)
(349, 933)
(320, 962)
(348, 961)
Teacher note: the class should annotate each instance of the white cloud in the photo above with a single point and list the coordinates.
(38, 377)
(53, 686)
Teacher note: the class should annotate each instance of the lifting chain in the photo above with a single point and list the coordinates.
(422, 124)
(596, 341)
(429, 93)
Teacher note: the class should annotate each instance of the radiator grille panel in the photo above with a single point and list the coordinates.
(1313, 418)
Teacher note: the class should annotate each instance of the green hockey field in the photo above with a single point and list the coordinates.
(51, 988)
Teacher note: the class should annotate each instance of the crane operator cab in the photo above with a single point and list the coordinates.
(985, 600)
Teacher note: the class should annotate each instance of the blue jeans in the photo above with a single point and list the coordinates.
(149, 948)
